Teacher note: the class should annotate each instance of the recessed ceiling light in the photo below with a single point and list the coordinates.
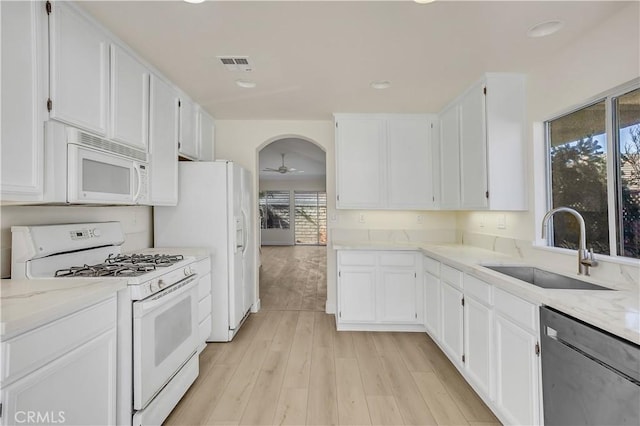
(424, 1)
(247, 84)
(381, 84)
(194, 1)
(545, 28)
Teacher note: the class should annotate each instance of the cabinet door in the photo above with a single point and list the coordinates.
(23, 41)
(356, 295)
(78, 70)
(516, 373)
(409, 163)
(399, 296)
(129, 99)
(473, 149)
(452, 326)
(449, 159)
(188, 140)
(360, 166)
(77, 388)
(163, 144)
(478, 327)
(432, 305)
(206, 135)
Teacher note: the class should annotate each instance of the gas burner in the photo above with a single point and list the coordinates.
(154, 259)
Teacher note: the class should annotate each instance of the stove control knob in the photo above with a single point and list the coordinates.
(154, 287)
(96, 232)
(160, 284)
(187, 271)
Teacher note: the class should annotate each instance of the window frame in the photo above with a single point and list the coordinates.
(612, 162)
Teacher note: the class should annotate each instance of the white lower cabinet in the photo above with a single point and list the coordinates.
(76, 389)
(379, 290)
(432, 288)
(517, 361)
(452, 322)
(478, 326)
(63, 372)
(490, 335)
(399, 290)
(357, 295)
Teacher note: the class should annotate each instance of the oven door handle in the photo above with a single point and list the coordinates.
(143, 307)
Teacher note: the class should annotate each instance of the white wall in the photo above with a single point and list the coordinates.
(607, 56)
(137, 223)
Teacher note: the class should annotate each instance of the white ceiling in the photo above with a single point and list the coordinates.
(299, 154)
(315, 58)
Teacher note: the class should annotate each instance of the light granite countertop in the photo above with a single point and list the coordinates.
(27, 304)
(617, 312)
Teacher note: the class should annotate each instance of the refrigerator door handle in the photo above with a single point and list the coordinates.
(239, 242)
(245, 234)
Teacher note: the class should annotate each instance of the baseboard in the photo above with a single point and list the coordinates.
(330, 308)
(255, 307)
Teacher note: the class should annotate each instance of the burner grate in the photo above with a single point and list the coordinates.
(121, 266)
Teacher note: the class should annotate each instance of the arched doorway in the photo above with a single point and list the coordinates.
(293, 225)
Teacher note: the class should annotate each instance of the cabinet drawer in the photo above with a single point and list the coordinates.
(355, 258)
(204, 308)
(397, 259)
(516, 309)
(204, 329)
(431, 266)
(478, 289)
(204, 288)
(451, 275)
(31, 350)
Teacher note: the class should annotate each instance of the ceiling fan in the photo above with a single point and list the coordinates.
(282, 169)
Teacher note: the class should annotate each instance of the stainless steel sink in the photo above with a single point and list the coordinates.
(544, 279)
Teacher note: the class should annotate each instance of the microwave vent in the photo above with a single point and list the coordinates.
(107, 145)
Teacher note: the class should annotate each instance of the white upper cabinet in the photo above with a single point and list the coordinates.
(360, 164)
(23, 50)
(78, 70)
(383, 161)
(473, 155)
(129, 99)
(163, 143)
(188, 138)
(409, 178)
(482, 146)
(206, 134)
(449, 159)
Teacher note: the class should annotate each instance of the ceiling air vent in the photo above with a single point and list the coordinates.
(236, 63)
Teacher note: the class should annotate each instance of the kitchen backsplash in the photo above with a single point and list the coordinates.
(137, 222)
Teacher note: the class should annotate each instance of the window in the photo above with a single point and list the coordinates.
(594, 168)
(274, 209)
(311, 217)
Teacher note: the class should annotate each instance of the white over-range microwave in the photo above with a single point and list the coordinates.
(81, 168)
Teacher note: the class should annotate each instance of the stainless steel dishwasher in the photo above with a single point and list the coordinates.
(589, 377)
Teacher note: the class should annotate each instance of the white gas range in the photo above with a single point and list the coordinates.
(157, 314)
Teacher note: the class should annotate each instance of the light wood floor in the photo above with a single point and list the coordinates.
(294, 368)
(293, 278)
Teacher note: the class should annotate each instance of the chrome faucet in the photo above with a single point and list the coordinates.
(586, 258)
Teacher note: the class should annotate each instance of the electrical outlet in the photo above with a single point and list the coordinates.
(502, 221)
(333, 217)
(361, 218)
(420, 218)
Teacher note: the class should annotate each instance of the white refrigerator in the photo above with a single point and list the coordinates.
(214, 212)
